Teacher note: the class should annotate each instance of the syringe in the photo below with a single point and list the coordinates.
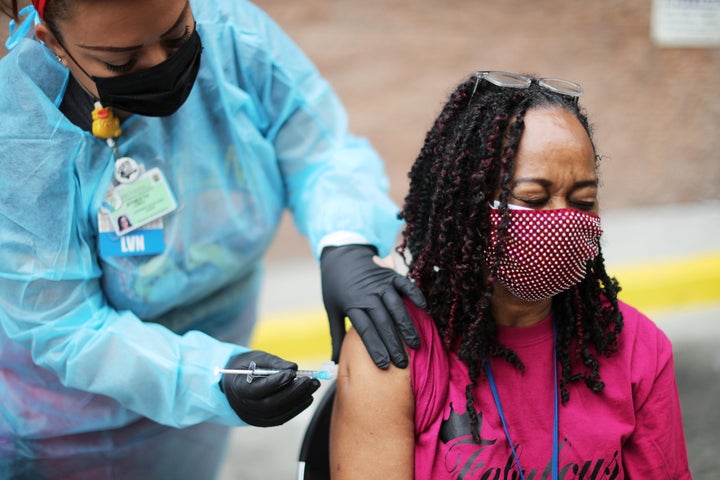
(328, 372)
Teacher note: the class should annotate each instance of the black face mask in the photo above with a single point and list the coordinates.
(157, 91)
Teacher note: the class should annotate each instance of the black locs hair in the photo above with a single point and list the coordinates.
(467, 156)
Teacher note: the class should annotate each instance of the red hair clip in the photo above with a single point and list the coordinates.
(40, 7)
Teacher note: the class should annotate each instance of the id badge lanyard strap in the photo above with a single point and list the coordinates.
(106, 125)
(555, 435)
(135, 202)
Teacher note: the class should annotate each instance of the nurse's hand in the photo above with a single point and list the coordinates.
(267, 401)
(354, 285)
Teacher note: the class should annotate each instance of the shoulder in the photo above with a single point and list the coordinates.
(244, 18)
(645, 356)
(365, 388)
(430, 359)
(38, 83)
(641, 333)
(244, 43)
(357, 365)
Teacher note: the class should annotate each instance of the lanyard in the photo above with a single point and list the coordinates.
(496, 397)
(106, 125)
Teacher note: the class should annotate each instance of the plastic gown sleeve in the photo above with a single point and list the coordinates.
(52, 305)
(69, 330)
(336, 183)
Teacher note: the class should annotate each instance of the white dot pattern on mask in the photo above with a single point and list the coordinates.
(545, 251)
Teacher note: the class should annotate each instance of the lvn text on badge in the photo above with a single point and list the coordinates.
(132, 243)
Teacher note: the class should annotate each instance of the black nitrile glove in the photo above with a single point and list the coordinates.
(270, 400)
(353, 285)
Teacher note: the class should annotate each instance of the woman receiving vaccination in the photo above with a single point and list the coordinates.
(529, 366)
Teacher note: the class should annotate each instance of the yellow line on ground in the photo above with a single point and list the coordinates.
(675, 282)
(298, 336)
(303, 336)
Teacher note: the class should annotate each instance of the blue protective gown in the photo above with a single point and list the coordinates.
(90, 343)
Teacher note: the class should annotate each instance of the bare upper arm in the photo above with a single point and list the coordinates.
(372, 433)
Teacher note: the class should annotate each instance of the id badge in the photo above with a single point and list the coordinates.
(146, 240)
(133, 205)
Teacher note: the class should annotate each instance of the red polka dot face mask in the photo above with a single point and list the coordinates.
(545, 251)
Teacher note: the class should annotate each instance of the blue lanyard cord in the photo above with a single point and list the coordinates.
(556, 414)
(502, 417)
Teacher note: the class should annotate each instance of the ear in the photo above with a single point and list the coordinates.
(43, 33)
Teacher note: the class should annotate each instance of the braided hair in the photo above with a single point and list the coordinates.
(468, 156)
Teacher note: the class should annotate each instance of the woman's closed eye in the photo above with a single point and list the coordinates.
(584, 198)
(170, 44)
(530, 201)
(177, 42)
(584, 205)
(125, 67)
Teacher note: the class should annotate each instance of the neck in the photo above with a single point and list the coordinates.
(510, 311)
(121, 114)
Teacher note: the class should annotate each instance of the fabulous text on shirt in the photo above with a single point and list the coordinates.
(465, 463)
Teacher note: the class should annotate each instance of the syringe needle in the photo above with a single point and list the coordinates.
(327, 373)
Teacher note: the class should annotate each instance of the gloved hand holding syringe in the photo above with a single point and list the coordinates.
(327, 372)
(265, 390)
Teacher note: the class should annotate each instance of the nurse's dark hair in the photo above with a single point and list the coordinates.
(54, 10)
(9, 8)
(467, 157)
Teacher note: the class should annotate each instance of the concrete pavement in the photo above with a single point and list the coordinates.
(666, 258)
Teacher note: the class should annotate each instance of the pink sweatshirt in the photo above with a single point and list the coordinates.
(633, 429)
